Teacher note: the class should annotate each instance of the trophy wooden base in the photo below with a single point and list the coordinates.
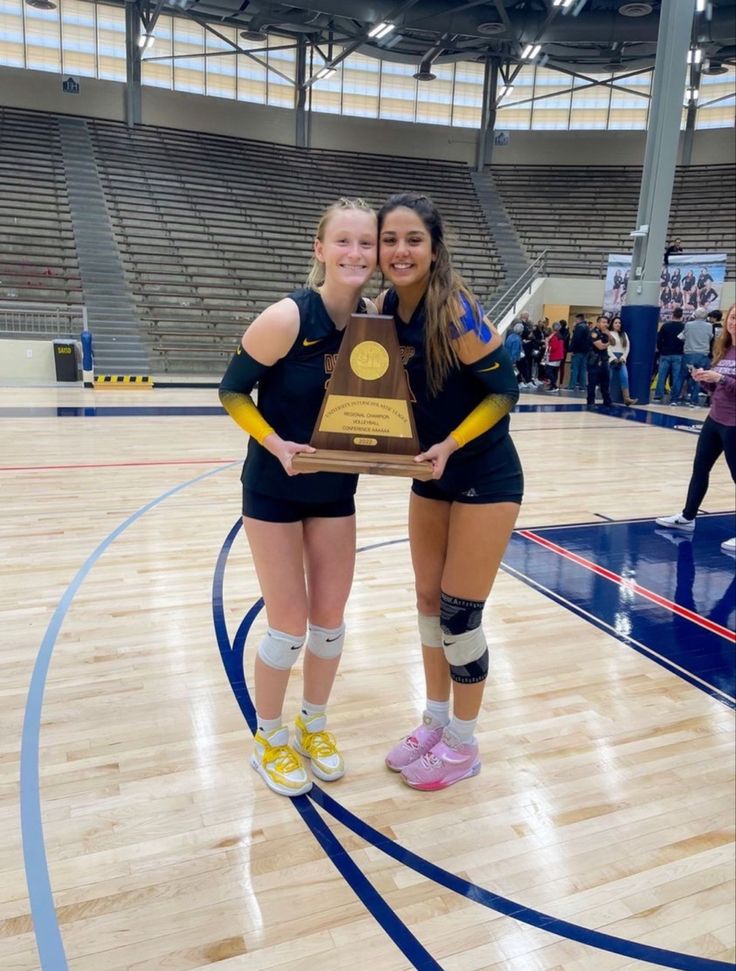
(375, 463)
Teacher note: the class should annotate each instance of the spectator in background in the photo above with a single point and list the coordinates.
(524, 364)
(715, 318)
(618, 351)
(676, 278)
(538, 346)
(696, 335)
(555, 357)
(718, 434)
(579, 345)
(670, 349)
(674, 247)
(513, 346)
(565, 335)
(598, 373)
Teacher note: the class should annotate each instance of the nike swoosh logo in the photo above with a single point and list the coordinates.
(307, 343)
(491, 368)
(240, 349)
(331, 640)
(295, 647)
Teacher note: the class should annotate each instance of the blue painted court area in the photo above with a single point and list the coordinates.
(670, 595)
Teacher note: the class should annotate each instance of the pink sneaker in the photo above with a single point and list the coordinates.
(414, 746)
(447, 762)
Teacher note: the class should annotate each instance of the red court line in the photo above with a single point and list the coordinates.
(113, 465)
(656, 598)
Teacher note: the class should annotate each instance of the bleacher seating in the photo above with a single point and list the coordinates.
(583, 213)
(38, 261)
(213, 229)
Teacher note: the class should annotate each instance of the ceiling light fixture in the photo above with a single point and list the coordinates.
(380, 30)
(530, 52)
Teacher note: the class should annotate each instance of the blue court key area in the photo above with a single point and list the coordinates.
(688, 569)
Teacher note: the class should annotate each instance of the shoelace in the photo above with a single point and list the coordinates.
(431, 760)
(282, 757)
(319, 743)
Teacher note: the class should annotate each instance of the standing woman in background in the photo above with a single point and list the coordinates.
(301, 528)
(718, 434)
(618, 351)
(461, 520)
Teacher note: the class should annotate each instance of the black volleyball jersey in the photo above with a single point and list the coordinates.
(437, 415)
(290, 396)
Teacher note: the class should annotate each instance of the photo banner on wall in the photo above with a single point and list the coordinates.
(691, 281)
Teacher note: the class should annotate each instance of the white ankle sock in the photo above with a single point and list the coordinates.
(266, 726)
(317, 712)
(462, 729)
(438, 711)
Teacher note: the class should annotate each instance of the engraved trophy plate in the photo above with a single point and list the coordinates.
(366, 423)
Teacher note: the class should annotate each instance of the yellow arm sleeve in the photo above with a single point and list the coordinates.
(496, 372)
(484, 416)
(243, 411)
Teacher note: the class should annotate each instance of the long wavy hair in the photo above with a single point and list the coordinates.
(442, 304)
(316, 276)
(724, 338)
(621, 333)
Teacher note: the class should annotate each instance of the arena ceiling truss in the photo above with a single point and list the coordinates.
(598, 42)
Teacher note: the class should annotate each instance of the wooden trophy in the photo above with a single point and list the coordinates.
(366, 423)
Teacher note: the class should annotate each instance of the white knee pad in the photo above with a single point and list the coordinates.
(279, 650)
(467, 655)
(430, 631)
(326, 643)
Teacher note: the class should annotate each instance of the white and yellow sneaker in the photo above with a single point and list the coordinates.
(278, 765)
(319, 746)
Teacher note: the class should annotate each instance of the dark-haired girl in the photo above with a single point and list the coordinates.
(461, 520)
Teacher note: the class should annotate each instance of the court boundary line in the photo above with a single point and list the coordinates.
(633, 519)
(716, 693)
(495, 902)
(632, 585)
(114, 465)
(49, 942)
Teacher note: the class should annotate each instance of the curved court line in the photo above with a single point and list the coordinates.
(495, 902)
(45, 924)
(232, 659)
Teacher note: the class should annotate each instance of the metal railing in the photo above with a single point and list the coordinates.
(508, 300)
(41, 319)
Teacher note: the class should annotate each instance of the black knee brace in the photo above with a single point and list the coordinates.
(463, 640)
